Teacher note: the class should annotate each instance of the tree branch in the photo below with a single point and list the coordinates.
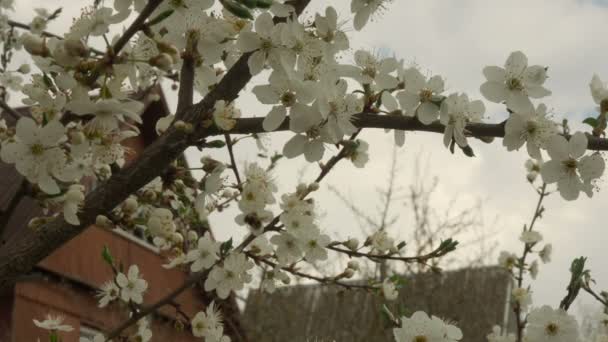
(368, 120)
(8, 109)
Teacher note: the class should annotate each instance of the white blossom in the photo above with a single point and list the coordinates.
(508, 260)
(360, 156)
(204, 255)
(456, 112)
(569, 167)
(108, 292)
(285, 92)
(523, 297)
(421, 96)
(545, 253)
(389, 290)
(53, 324)
(498, 336)
(231, 276)
(364, 9)
(530, 128)
(265, 43)
(530, 237)
(224, 115)
(548, 325)
(516, 83)
(599, 92)
(73, 199)
(36, 153)
(421, 327)
(132, 287)
(370, 69)
(208, 323)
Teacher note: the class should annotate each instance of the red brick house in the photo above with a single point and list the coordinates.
(65, 282)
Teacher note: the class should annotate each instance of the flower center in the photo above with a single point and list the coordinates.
(531, 127)
(37, 149)
(420, 338)
(425, 95)
(369, 71)
(288, 99)
(551, 329)
(515, 84)
(266, 45)
(570, 164)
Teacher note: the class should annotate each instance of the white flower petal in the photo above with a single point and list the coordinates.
(274, 119)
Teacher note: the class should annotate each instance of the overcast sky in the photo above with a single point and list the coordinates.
(456, 39)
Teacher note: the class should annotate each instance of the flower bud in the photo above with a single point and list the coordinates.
(24, 68)
(104, 172)
(352, 244)
(349, 273)
(177, 238)
(192, 236)
(353, 264)
(75, 47)
(180, 125)
(313, 186)
(35, 45)
(209, 164)
(103, 222)
(75, 194)
(130, 205)
(36, 222)
(162, 61)
(77, 137)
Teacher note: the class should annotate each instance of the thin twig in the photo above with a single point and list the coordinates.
(233, 165)
(521, 324)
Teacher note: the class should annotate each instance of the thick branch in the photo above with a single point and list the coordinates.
(8, 109)
(367, 120)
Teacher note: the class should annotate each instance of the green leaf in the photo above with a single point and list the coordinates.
(591, 122)
(107, 256)
(226, 247)
(249, 3)
(214, 144)
(264, 3)
(237, 9)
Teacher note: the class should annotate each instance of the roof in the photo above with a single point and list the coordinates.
(327, 313)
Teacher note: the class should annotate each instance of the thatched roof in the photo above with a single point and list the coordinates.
(474, 299)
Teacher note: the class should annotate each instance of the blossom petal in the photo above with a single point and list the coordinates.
(256, 62)
(557, 147)
(295, 146)
(427, 112)
(266, 94)
(494, 73)
(552, 171)
(27, 130)
(577, 145)
(569, 187)
(314, 151)
(591, 167)
(519, 102)
(516, 63)
(494, 91)
(274, 119)
(389, 102)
